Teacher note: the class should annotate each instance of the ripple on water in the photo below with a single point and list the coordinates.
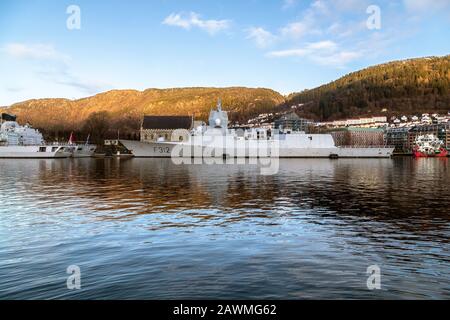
(145, 228)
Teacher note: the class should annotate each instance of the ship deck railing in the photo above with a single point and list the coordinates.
(44, 144)
(366, 146)
(76, 143)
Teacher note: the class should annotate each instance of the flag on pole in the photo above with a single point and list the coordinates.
(72, 138)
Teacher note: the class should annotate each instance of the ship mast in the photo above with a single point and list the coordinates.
(219, 105)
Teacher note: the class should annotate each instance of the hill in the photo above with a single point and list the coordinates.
(400, 87)
(123, 109)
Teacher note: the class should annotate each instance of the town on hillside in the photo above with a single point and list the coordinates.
(400, 131)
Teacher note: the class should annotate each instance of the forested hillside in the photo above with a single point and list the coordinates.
(410, 86)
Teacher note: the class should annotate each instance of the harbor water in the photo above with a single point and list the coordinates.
(150, 229)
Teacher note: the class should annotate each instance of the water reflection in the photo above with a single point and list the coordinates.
(380, 188)
(322, 221)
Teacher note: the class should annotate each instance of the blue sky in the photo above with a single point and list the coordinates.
(286, 45)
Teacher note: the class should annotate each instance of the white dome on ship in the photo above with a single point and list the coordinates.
(218, 122)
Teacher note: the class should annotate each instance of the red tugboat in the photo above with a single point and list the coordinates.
(429, 146)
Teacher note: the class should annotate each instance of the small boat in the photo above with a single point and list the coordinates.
(429, 146)
(85, 150)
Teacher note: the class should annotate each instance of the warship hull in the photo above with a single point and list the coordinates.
(251, 150)
(33, 152)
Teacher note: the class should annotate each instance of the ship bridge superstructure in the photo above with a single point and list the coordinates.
(218, 119)
(13, 134)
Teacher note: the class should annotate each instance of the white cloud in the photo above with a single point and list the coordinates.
(323, 16)
(34, 51)
(323, 45)
(288, 53)
(329, 32)
(177, 21)
(319, 18)
(51, 65)
(309, 23)
(309, 49)
(337, 59)
(292, 31)
(194, 20)
(320, 6)
(261, 37)
(62, 75)
(322, 52)
(295, 30)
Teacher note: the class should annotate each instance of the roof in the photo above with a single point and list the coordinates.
(8, 117)
(289, 116)
(428, 127)
(167, 122)
(357, 129)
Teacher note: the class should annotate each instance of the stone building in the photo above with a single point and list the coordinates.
(7, 117)
(166, 128)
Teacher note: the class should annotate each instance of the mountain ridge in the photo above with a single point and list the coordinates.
(411, 86)
(124, 109)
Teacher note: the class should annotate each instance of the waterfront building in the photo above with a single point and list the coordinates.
(357, 136)
(165, 128)
(398, 138)
(447, 136)
(370, 122)
(292, 122)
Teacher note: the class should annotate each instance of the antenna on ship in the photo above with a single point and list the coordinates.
(219, 105)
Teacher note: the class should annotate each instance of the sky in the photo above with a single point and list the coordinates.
(73, 49)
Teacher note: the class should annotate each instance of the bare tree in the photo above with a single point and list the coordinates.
(97, 125)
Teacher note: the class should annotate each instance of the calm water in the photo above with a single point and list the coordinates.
(144, 228)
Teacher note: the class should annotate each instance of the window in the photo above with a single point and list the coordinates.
(180, 138)
(42, 149)
(54, 149)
